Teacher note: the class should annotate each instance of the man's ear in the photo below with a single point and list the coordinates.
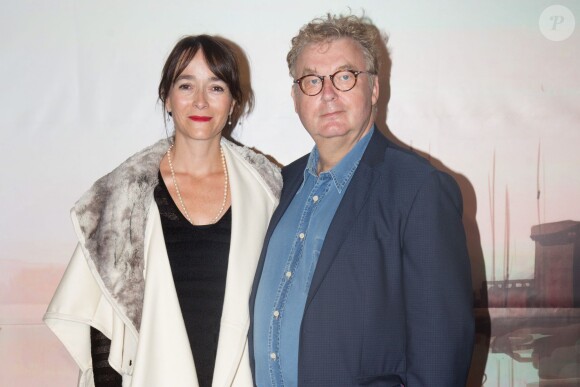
(375, 92)
(293, 95)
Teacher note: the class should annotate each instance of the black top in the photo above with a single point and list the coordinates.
(198, 256)
(103, 374)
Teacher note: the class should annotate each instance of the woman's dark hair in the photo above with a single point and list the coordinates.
(221, 59)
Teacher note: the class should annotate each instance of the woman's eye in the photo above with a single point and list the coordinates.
(185, 86)
(218, 89)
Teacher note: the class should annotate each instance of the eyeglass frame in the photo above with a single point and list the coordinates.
(356, 73)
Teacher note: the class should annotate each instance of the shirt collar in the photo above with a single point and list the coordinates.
(343, 171)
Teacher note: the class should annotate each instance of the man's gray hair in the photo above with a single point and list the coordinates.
(332, 27)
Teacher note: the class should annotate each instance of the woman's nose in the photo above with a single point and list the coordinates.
(200, 100)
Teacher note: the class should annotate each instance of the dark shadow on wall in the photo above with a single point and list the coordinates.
(481, 311)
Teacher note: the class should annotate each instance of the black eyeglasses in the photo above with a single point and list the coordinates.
(342, 80)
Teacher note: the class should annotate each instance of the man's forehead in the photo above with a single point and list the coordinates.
(317, 54)
(321, 46)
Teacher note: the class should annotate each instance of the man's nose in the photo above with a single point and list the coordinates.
(328, 92)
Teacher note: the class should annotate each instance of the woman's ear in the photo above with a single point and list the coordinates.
(168, 108)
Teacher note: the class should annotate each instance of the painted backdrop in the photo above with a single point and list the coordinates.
(489, 91)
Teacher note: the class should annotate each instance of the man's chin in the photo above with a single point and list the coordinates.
(334, 129)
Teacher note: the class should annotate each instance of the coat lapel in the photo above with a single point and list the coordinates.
(354, 199)
(251, 210)
(162, 328)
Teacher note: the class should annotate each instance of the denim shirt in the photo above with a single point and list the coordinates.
(289, 266)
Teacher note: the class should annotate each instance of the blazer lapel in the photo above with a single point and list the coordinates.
(291, 186)
(293, 177)
(292, 183)
(354, 199)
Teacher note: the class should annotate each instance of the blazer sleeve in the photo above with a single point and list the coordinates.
(437, 286)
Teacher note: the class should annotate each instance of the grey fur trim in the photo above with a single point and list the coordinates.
(112, 217)
(269, 171)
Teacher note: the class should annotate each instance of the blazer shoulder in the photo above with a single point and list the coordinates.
(411, 171)
(295, 168)
(407, 157)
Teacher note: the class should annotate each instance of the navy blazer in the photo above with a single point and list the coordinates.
(390, 301)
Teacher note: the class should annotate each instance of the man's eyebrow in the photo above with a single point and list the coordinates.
(345, 67)
(309, 70)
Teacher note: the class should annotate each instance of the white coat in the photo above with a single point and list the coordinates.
(135, 303)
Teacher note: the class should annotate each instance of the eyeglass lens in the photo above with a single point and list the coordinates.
(342, 80)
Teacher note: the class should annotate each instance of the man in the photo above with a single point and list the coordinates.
(364, 277)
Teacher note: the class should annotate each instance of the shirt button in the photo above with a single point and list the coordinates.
(273, 356)
(288, 274)
(315, 198)
(301, 236)
(276, 314)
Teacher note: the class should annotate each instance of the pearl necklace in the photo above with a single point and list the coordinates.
(216, 218)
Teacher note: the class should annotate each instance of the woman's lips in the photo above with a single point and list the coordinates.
(200, 118)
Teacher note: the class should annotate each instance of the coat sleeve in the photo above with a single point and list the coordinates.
(77, 305)
(437, 287)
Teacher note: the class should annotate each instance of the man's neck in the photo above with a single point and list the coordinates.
(332, 150)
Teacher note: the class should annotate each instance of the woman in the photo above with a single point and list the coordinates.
(169, 240)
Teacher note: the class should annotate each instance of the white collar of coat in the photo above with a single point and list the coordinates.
(163, 356)
(111, 217)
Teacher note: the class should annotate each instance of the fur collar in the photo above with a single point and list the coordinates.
(112, 217)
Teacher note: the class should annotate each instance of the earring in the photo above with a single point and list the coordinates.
(230, 120)
(169, 115)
